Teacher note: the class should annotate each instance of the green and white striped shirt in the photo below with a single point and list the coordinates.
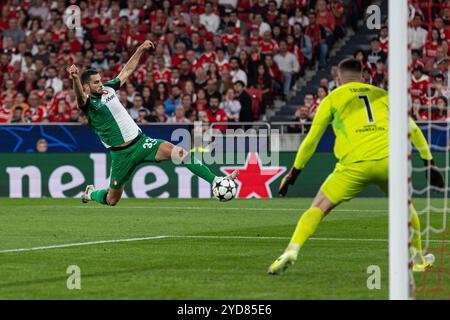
(109, 118)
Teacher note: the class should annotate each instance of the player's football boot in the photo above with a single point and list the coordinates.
(428, 261)
(280, 265)
(86, 196)
(231, 176)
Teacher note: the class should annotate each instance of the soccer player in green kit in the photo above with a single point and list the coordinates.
(128, 146)
(359, 114)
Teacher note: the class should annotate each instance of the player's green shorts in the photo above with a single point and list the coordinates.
(125, 161)
(348, 180)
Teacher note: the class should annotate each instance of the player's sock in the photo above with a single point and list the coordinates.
(416, 239)
(198, 168)
(305, 228)
(99, 196)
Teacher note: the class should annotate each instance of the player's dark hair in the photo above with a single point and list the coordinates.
(443, 98)
(350, 65)
(86, 76)
(417, 52)
(215, 96)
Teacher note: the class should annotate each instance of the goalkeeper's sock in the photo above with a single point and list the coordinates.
(305, 228)
(198, 168)
(100, 196)
(416, 238)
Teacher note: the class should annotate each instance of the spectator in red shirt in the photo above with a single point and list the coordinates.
(443, 31)
(272, 12)
(230, 35)
(216, 114)
(384, 39)
(325, 17)
(275, 73)
(267, 44)
(9, 90)
(419, 84)
(337, 7)
(92, 23)
(6, 109)
(209, 56)
(318, 36)
(162, 73)
(61, 113)
(418, 113)
(36, 111)
(221, 62)
(180, 54)
(432, 45)
(201, 103)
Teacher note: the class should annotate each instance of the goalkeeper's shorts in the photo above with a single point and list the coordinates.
(125, 161)
(348, 180)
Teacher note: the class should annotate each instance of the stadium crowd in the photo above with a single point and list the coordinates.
(218, 60)
(429, 39)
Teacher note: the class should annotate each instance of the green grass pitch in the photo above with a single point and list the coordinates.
(210, 250)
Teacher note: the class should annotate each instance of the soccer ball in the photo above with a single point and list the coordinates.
(224, 189)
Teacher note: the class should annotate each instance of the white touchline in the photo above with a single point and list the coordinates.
(90, 243)
(209, 208)
(79, 244)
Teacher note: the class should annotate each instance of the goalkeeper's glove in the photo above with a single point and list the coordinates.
(436, 179)
(287, 180)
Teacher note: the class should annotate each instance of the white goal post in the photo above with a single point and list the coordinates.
(399, 284)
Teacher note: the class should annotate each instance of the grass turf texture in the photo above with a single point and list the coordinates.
(222, 265)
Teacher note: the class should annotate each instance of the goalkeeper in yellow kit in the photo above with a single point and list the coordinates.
(359, 115)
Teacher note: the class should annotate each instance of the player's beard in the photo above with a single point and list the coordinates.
(96, 95)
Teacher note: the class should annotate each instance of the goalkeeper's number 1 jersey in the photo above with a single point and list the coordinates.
(108, 117)
(360, 117)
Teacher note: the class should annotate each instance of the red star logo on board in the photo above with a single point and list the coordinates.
(254, 180)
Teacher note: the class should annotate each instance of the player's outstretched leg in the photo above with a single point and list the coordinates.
(108, 197)
(306, 226)
(167, 151)
(420, 262)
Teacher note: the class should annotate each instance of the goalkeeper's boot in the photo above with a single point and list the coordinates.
(86, 196)
(427, 263)
(280, 265)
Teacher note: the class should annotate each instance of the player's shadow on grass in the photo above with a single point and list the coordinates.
(64, 278)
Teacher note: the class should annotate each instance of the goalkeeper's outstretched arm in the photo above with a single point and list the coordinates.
(418, 140)
(308, 145)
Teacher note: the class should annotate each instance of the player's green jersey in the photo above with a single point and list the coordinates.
(109, 118)
(360, 117)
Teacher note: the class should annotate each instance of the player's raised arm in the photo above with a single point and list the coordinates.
(419, 141)
(77, 86)
(132, 64)
(308, 145)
